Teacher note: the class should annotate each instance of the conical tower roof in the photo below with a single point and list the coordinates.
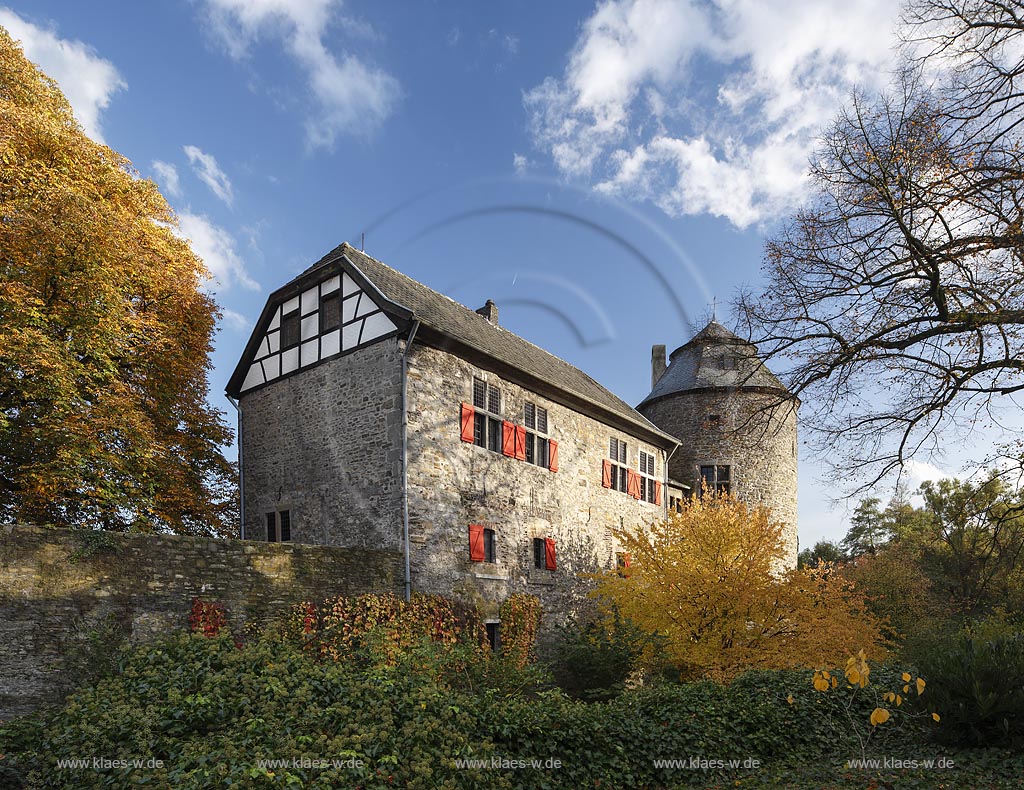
(714, 358)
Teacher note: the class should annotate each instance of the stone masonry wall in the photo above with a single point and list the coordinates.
(57, 608)
(327, 446)
(759, 446)
(453, 484)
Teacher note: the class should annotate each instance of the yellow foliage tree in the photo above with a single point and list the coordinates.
(105, 334)
(711, 581)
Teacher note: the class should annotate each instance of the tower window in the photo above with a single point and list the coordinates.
(279, 526)
(716, 479)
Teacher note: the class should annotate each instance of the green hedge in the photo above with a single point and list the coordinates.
(209, 710)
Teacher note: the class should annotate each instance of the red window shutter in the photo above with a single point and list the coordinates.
(549, 554)
(606, 473)
(467, 422)
(508, 439)
(520, 442)
(553, 455)
(476, 542)
(627, 560)
(657, 492)
(632, 484)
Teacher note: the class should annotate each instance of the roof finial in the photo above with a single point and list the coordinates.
(714, 308)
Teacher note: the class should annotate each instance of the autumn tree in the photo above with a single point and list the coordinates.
(105, 334)
(711, 582)
(896, 295)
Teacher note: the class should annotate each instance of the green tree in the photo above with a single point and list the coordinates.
(971, 546)
(105, 334)
(823, 551)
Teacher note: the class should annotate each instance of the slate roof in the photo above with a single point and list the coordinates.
(714, 358)
(467, 328)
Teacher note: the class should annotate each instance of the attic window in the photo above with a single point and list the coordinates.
(330, 312)
(290, 325)
(728, 362)
(715, 419)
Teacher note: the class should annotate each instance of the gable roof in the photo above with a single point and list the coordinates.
(446, 324)
(714, 358)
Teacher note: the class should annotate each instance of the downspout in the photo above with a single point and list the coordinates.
(405, 456)
(669, 458)
(241, 474)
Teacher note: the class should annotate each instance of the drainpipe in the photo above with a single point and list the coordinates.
(669, 458)
(405, 456)
(241, 474)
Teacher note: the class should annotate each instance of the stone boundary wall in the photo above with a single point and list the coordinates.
(67, 599)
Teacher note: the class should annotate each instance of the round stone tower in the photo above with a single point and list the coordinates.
(735, 420)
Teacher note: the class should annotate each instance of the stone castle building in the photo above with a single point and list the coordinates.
(376, 412)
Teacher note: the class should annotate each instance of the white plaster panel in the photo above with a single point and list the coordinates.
(289, 360)
(310, 352)
(330, 343)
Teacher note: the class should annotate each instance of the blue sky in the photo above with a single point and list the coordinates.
(602, 171)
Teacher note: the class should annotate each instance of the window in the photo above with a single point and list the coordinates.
(537, 444)
(715, 479)
(290, 329)
(544, 554)
(330, 312)
(538, 552)
(615, 469)
(622, 563)
(279, 526)
(493, 636)
(650, 486)
(487, 417)
(481, 544)
(489, 546)
(676, 504)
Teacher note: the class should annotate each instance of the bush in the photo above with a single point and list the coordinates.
(593, 660)
(977, 685)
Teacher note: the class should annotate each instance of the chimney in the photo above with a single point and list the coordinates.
(490, 312)
(657, 363)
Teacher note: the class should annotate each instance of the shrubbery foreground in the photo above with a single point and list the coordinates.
(418, 700)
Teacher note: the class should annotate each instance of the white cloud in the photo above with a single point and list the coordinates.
(708, 107)
(520, 163)
(87, 80)
(218, 250)
(168, 175)
(235, 321)
(205, 166)
(918, 472)
(352, 96)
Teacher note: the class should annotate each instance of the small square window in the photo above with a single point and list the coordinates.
(715, 479)
(279, 526)
(538, 553)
